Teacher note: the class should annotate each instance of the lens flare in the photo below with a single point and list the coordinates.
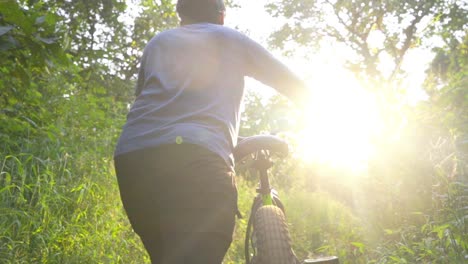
(340, 123)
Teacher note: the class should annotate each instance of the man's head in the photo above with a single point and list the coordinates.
(199, 11)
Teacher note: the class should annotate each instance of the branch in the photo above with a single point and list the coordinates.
(409, 33)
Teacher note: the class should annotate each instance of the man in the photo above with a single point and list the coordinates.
(174, 159)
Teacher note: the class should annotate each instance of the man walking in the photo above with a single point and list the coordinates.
(174, 160)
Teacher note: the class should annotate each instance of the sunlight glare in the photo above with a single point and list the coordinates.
(340, 123)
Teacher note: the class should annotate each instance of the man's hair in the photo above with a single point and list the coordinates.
(200, 10)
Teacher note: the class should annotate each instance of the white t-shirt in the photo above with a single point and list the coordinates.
(190, 87)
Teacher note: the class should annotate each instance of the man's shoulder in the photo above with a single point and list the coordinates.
(199, 28)
(228, 31)
(161, 37)
(165, 33)
(190, 31)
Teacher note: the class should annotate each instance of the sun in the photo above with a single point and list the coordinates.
(340, 122)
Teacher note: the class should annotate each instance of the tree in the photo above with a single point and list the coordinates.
(397, 25)
(31, 55)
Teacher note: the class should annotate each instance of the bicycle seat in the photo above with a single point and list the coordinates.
(249, 145)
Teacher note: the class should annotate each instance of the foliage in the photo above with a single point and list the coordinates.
(397, 25)
(66, 78)
(53, 188)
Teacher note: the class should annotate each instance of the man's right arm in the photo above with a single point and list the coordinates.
(264, 67)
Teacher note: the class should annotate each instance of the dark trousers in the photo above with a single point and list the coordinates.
(181, 200)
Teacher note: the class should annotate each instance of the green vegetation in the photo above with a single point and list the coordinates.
(67, 71)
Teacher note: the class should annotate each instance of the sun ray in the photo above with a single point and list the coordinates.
(340, 122)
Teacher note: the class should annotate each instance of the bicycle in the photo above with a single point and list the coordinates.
(267, 230)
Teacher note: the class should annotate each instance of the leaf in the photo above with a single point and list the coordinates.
(47, 40)
(357, 244)
(360, 246)
(13, 14)
(24, 75)
(5, 29)
(40, 20)
(51, 18)
(6, 45)
(440, 230)
(407, 249)
(31, 122)
(323, 248)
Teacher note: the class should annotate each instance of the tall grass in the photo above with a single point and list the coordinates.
(61, 205)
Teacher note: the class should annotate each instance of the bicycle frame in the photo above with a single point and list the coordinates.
(266, 194)
(261, 146)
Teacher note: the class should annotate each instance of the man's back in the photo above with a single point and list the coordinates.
(190, 87)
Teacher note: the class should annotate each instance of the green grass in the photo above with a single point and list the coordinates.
(61, 205)
(57, 207)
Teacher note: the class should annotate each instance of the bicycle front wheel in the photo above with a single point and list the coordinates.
(271, 236)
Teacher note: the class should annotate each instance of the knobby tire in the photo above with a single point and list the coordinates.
(273, 242)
